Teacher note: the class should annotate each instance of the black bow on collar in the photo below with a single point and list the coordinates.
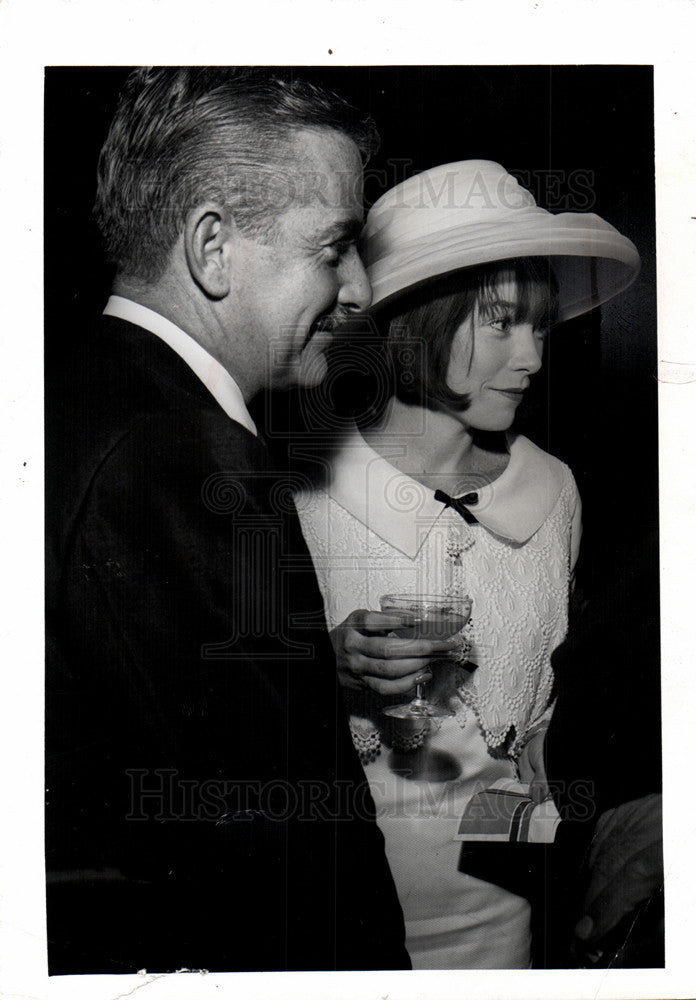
(459, 504)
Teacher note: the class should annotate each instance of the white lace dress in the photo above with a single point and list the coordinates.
(376, 531)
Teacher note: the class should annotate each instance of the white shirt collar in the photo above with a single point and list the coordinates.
(208, 369)
(402, 511)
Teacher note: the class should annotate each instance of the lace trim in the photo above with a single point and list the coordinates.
(367, 739)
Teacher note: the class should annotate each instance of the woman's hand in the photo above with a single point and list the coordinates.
(532, 768)
(367, 656)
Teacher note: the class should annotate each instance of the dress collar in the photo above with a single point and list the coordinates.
(402, 511)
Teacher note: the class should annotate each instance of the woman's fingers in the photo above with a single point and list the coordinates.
(391, 669)
(391, 647)
(388, 676)
(532, 768)
(378, 621)
(367, 655)
(398, 686)
(374, 628)
(375, 621)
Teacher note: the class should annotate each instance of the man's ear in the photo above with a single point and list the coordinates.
(208, 233)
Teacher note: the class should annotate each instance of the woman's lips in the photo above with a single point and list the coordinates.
(515, 395)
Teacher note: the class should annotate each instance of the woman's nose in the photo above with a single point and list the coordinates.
(528, 349)
(355, 292)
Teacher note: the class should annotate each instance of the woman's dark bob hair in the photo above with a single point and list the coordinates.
(420, 325)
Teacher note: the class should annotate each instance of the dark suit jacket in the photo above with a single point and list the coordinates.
(205, 806)
(603, 746)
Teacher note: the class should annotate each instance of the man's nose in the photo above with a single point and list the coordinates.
(355, 292)
(528, 349)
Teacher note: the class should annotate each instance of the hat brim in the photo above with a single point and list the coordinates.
(592, 261)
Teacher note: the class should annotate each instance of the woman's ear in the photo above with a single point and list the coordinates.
(208, 232)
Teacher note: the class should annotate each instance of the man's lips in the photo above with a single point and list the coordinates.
(325, 324)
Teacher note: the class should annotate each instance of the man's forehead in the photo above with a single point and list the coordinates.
(326, 167)
(317, 187)
(328, 146)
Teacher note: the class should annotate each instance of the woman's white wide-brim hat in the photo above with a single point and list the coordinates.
(474, 212)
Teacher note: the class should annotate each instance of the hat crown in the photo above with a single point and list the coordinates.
(470, 185)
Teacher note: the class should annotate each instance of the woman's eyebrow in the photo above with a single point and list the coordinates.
(501, 304)
(497, 304)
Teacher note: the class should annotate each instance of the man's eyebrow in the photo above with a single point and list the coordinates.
(348, 230)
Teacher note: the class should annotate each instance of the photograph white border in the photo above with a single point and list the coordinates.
(36, 33)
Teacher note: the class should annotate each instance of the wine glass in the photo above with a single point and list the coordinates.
(426, 616)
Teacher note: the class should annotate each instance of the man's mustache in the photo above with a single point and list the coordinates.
(328, 323)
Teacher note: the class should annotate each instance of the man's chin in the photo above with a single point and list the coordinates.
(312, 365)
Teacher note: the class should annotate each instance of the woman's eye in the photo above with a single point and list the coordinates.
(502, 324)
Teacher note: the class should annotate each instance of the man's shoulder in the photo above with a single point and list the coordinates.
(125, 410)
(122, 382)
(114, 370)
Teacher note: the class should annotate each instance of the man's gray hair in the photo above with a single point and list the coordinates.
(183, 136)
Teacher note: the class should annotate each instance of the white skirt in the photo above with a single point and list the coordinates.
(453, 921)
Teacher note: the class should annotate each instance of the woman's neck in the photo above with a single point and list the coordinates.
(436, 448)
